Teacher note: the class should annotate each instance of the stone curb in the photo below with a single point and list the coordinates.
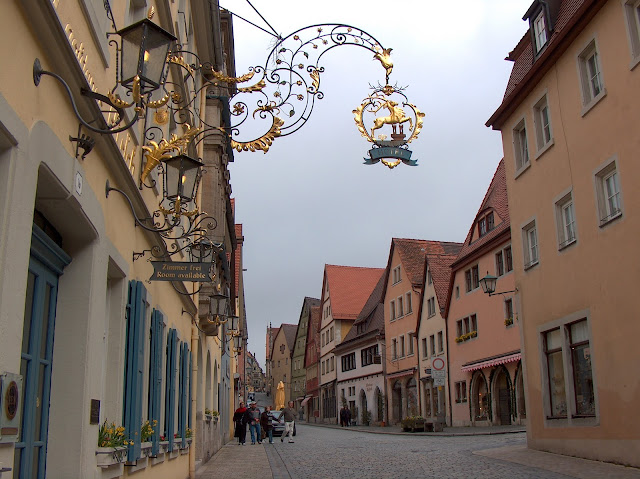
(381, 430)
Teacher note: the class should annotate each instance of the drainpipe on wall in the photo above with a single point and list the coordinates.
(194, 392)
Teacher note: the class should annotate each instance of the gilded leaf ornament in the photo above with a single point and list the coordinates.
(264, 142)
(257, 87)
(156, 152)
(178, 60)
(224, 78)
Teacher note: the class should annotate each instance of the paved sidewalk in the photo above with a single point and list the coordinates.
(567, 465)
(234, 461)
(448, 431)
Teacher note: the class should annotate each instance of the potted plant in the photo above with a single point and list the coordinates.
(208, 414)
(146, 433)
(112, 444)
(164, 443)
(508, 321)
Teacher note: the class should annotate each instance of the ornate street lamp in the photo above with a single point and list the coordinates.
(144, 47)
(488, 284)
(181, 178)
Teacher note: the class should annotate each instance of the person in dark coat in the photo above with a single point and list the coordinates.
(267, 425)
(241, 418)
(344, 412)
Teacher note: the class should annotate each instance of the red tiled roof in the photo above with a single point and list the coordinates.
(525, 69)
(372, 314)
(349, 288)
(442, 275)
(413, 253)
(495, 199)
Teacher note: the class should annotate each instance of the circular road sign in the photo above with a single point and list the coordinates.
(437, 364)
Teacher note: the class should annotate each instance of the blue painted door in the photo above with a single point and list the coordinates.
(36, 357)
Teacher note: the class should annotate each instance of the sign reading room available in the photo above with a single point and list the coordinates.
(174, 271)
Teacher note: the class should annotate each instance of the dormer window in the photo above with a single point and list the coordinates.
(486, 224)
(539, 32)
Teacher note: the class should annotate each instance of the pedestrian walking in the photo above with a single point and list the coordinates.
(240, 418)
(289, 421)
(267, 426)
(348, 417)
(254, 423)
(343, 416)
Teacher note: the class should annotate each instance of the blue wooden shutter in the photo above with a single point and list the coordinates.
(190, 385)
(155, 378)
(170, 400)
(182, 396)
(134, 373)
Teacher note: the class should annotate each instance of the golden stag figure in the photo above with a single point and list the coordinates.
(396, 117)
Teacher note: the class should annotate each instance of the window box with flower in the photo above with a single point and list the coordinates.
(508, 321)
(112, 445)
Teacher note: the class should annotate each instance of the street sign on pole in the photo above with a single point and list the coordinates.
(438, 364)
(439, 376)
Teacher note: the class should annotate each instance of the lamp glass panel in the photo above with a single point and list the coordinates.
(131, 40)
(172, 177)
(488, 283)
(153, 55)
(236, 342)
(190, 170)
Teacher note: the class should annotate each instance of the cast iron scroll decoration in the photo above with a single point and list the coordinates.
(279, 96)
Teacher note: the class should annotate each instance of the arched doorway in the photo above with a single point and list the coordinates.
(379, 405)
(396, 400)
(365, 415)
(412, 398)
(479, 398)
(501, 392)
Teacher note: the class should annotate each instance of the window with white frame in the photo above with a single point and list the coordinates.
(508, 259)
(400, 306)
(530, 245)
(590, 74)
(521, 148)
(457, 292)
(410, 345)
(565, 221)
(331, 333)
(567, 354)
(632, 15)
(432, 344)
(486, 224)
(348, 362)
(402, 346)
(609, 196)
(440, 342)
(429, 277)
(499, 263)
(396, 275)
(539, 32)
(508, 311)
(467, 325)
(542, 123)
(425, 349)
(332, 362)
(431, 306)
(394, 348)
(407, 302)
(392, 310)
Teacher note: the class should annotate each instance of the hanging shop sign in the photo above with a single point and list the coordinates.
(185, 271)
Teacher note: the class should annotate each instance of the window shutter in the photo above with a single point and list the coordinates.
(134, 367)
(170, 399)
(155, 378)
(190, 386)
(182, 402)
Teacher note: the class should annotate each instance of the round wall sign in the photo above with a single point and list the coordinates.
(437, 364)
(11, 400)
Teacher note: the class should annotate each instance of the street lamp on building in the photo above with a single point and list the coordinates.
(488, 284)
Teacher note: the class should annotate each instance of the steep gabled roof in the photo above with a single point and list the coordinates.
(413, 253)
(442, 275)
(313, 336)
(372, 315)
(349, 288)
(571, 17)
(310, 303)
(495, 199)
(289, 331)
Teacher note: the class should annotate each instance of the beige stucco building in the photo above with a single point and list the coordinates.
(283, 345)
(83, 335)
(570, 139)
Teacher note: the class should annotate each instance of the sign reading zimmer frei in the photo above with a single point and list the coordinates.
(185, 271)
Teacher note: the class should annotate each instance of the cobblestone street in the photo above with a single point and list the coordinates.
(331, 453)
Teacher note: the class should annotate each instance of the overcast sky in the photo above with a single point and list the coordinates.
(311, 201)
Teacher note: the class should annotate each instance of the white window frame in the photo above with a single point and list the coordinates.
(431, 307)
(402, 346)
(400, 306)
(409, 303)
(632, 17)
(587, 76)
(530, 245)
(392, 310)
(397, 276)
(425, 348)
(542, 124)
(410, 347)
(606, 213)
(521, 147)
(540, 32)
(566, 231)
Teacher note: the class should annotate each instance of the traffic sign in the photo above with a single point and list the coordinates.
(438, 381)
(438, 374)
(438, 364)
